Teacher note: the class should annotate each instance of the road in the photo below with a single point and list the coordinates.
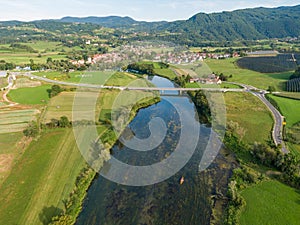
(278, 118)
(129, 88)
(278, 121)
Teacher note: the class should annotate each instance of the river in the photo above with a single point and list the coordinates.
(166, 202)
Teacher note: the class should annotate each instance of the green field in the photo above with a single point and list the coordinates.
(11, 147)
(30, 96)
(120, 79)
(24, 58)
(271, 202)
(260, 80)
(253, 118)
(42, 178)
(290, 108)
(45, 49)
(223, 85)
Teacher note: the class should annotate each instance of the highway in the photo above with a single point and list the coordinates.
(278, 118)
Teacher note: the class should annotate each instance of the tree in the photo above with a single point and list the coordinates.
(64, 122)
(55, 90)
(296, 74)
(49, 60)
(32, 129)
(271, 89)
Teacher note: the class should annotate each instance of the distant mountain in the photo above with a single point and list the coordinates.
(113, 22)
(199, 30)
(110, 21)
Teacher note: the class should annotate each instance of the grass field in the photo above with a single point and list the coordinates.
(42, 178)
(30, 96)
(11, 147)
(290, 108)
(62, 105)
(252, 116)
(271, 202)
(16, 120)
(293, 95)
(3, 82)
(98, 77)
(24, 58)
(224, 85)
(259, 80)
(45, 49)
(120, 79)
(25, 82)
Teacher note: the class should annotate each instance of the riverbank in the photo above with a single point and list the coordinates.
(73, 205)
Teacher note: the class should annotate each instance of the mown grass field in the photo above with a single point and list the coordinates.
(254, 119)
(260, 80)
(16, 120)
(293, 95)
(62, 105)
(11, 146)
(98, 77)
(271, 202)
(25, 82)
(290, 108)
(30, 96)
(42, 178)
(223, 85)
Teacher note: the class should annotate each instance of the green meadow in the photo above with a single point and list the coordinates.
(271, 202)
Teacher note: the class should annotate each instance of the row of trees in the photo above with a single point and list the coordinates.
(6, 65)
(293, 85)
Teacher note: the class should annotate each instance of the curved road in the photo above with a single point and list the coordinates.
(278, 118)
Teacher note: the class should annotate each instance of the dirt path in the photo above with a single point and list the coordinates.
(5, 99)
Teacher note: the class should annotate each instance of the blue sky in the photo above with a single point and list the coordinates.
(154, 10)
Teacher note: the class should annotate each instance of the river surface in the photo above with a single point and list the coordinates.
(166, 202)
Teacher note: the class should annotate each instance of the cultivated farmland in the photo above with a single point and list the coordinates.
(293, 85)
(270, 64)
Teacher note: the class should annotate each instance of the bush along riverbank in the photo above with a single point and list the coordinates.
(73, 205)
(257, 163)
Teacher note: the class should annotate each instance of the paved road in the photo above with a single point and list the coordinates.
(129, 88)
(278, 121)
(278, 118)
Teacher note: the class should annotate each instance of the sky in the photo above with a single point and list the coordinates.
(146, 10)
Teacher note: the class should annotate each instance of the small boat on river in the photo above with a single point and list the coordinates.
(181, 180)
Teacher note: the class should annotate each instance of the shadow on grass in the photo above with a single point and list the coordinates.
(48, 213)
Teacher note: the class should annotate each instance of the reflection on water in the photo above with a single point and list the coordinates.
(167, 202)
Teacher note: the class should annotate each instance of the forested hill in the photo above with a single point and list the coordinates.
(115, 22)
(247, 24)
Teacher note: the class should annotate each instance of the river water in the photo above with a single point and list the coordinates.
(166, 202)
